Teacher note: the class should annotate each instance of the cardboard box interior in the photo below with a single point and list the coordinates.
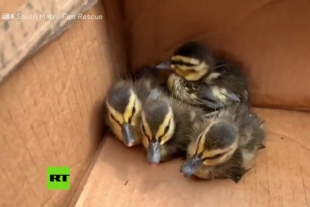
(55, 73)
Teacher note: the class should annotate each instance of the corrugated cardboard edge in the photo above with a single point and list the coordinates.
(21, 38)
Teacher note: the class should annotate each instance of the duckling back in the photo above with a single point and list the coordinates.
(145, 85)
(250, 126)
(187, 117)
(227, 83)
(251, 140)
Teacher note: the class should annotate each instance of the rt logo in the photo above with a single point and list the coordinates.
(58, 178)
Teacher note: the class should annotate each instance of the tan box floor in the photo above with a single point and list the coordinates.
(121, 177)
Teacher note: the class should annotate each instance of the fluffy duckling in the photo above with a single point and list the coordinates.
(124, 105)
(166, 126)
(201, 80)
(225, 146)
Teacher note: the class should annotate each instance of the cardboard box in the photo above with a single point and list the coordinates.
(58, 58)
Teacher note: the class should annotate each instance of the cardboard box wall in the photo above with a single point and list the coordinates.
(50, 104)
(269, 37)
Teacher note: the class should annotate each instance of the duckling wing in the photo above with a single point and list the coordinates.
(206, 97)
(216, 97)
(232, 97)
(209, 97)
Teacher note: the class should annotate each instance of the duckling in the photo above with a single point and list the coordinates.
(166, 126)
(124, 105)
(202, 80)
(225, 146)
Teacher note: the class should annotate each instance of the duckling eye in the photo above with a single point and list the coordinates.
(191, 70)
(186, 70)
(182, 63)
(113, 117)
(166, 129)
(132, 113)
(143, 131)
(133, 110)
(214, 157)
(217, 156)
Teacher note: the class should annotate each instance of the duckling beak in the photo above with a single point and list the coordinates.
(128, 135)
(190, 166)
(164, 65)
(153, 153)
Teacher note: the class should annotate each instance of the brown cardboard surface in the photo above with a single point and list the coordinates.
(121, 176)
(270, 37)
(50, 109)
(32, 26)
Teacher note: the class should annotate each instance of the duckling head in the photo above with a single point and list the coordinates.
(192, 61)
(214, 146)
(157, 126)
(124, 109)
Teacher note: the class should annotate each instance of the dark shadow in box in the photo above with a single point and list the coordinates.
(97, 126)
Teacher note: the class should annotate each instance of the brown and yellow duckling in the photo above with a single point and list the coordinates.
(124, 105)
(202, 80)
(166, 126)
(225, 146)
